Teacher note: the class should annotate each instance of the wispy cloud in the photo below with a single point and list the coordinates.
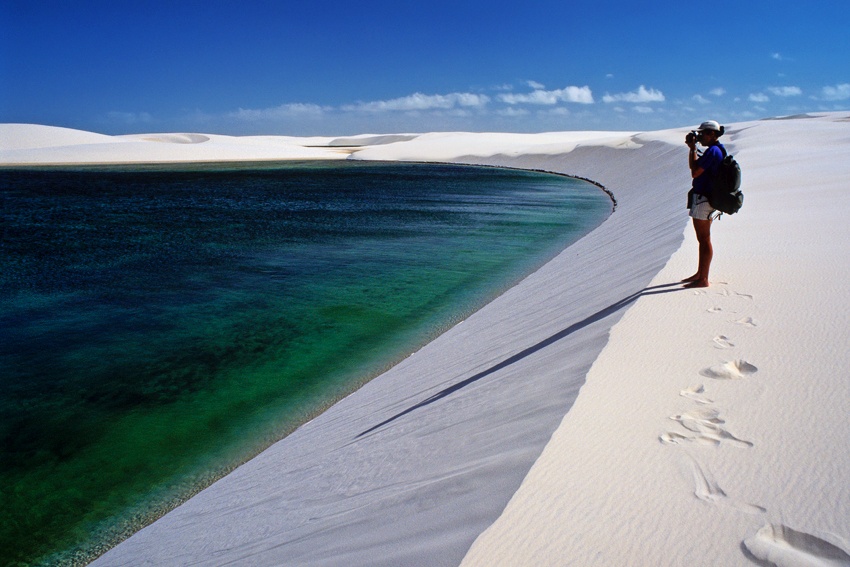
(641, 95)
(716, 92)
(776, 56)
(292, 110)
(512, 112)
(535, 85)
(759, 97)
(581, 95)
(838, 92)
(785, 91)
(455, 102)
(419, 101)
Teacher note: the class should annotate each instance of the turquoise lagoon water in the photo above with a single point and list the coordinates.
(161, 325)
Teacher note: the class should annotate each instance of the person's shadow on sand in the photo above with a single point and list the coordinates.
(599, 315)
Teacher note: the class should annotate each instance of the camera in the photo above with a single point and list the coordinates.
(692, 137)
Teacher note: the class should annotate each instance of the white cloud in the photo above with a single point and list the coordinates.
(512, 112)
(701, 99)
(785, 91)
(419, 101)
(838, 92)
(759, 97)
(581, 95)
(776, 56)
(638, 96)
(292, 110)
(719, 91)
(535, 85)
(643, 109)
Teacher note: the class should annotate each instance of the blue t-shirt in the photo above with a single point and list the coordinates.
(709, 161)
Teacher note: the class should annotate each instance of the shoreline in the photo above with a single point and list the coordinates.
(466, 487)
(414, 337)
(271, 161)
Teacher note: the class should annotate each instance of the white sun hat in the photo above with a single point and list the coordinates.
(710, 125)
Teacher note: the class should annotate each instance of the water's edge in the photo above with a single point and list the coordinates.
(566, 289)
(108, 537)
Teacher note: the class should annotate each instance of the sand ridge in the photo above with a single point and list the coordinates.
(727, 405)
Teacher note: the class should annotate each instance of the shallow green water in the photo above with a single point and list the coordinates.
(160, 325)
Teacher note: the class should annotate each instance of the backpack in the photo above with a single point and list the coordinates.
(725, 194)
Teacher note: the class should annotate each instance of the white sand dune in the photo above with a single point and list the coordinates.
(27, 144)
(34, 137)
(714, 427)
(711, 426)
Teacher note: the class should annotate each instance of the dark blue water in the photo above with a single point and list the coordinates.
(160, 325)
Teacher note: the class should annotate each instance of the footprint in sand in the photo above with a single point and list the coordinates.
(722, 341)
(707, 490)
(695, 393)
(708, 427)
(715, 309)
(673, 438)
(779, 545)
(747, 322)
(727, 293)
(732, 370)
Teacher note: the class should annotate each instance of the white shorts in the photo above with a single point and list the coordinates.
(701, 209)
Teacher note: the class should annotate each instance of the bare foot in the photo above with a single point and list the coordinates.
(693, 278)
(696, 283)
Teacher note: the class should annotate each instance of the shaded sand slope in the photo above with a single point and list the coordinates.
(412, 467)
(714, 427)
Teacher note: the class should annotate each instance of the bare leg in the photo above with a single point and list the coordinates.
(706, 252)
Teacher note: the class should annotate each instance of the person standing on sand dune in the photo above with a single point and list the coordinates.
(703, 169)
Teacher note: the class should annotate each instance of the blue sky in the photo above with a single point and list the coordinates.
(326, 67)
